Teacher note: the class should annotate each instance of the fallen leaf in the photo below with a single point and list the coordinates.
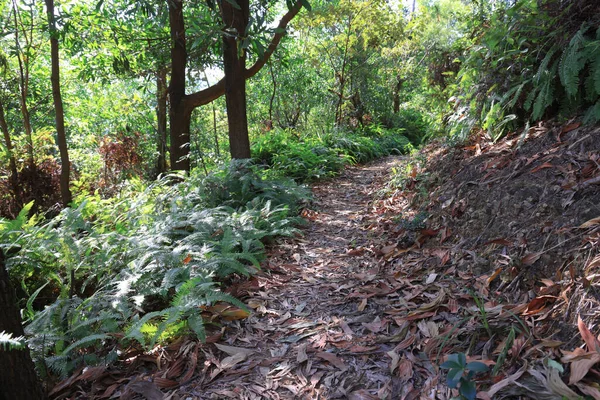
(493, 276)
(590, 223)
(231, 350)
(431, 278)
(301, 357)
(590, 340)
(530, 258)
(593, 391)
(146, 389)
(332, 359)
(395, 360)
(232, 361)
(536, 305)
(540, 167)
(499, 241)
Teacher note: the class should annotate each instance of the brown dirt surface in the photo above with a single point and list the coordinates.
(485, 249)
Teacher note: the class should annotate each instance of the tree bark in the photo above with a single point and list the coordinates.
(161, 120)
(61, 136)
(397, 88)
(24, 87)
(234, 65)
(18, 379)
(12, 162)
(182, 105)
(178, 113)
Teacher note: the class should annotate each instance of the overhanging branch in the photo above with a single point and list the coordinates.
(215, 91)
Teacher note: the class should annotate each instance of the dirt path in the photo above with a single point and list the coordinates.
(309, 337)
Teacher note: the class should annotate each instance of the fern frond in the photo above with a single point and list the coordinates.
(572, 62)
(592, 115)
(9, 342)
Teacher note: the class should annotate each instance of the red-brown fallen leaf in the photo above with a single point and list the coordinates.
(493, 276)
(164, 383)
(540, 167)
(570, 127)
(361, 349)
(538, 304)
(530, 258)
(356, 252)
(446, 233)
(453, 306)
(405, 370)
(590, 340)
(187, 259)
(500, 241)
(332, 359)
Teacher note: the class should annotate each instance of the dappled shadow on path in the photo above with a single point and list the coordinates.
(313, 334)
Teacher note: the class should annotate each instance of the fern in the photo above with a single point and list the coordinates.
(593, 114)
(572, 62)
(9, 342)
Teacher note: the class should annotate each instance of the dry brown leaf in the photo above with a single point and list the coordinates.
(538, 304)
(593, 391)
(395, 360)
(590, 340)
(332, 359)
(499, 241)
(362, 305)
(362, 394)
(493, 276)
(232, 361)
(590, 223)
(581, 366)
(231, 350)
(301, 357)
(530, 258)
(405, 370)
(431, 278)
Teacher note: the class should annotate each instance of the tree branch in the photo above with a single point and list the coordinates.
(215, 91)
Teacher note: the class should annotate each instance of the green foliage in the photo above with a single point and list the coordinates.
(9, 342)
(461, 374)
(144, 263)
(318, 156)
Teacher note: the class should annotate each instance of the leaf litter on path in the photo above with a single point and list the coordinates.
(367, 304)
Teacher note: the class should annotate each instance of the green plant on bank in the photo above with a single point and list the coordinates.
(139, 268)
(461, 374)
(9, 342)
(319, 156)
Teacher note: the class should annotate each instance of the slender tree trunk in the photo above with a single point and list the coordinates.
(397, 88)
(23, 88)
(234, 63)
(61, 136)
(272, 93)
(161, 119)
(12, 162)
(179, 114)
(214, 114)
(18, 379)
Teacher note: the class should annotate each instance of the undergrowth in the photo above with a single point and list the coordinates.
(316, 156)
(142, 267)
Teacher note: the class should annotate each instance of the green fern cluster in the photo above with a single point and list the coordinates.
(527, 65)
(138, 269)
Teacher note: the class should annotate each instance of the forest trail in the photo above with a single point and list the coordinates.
(312, 334)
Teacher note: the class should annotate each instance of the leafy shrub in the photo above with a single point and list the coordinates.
(144, 263)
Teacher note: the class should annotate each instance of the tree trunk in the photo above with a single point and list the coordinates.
(61, 137)
(397, 88)
(178, 113)
(18, 380)
(12, 162)
(182, 105)
(24, 88)
(161, 119)
(234, 65)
